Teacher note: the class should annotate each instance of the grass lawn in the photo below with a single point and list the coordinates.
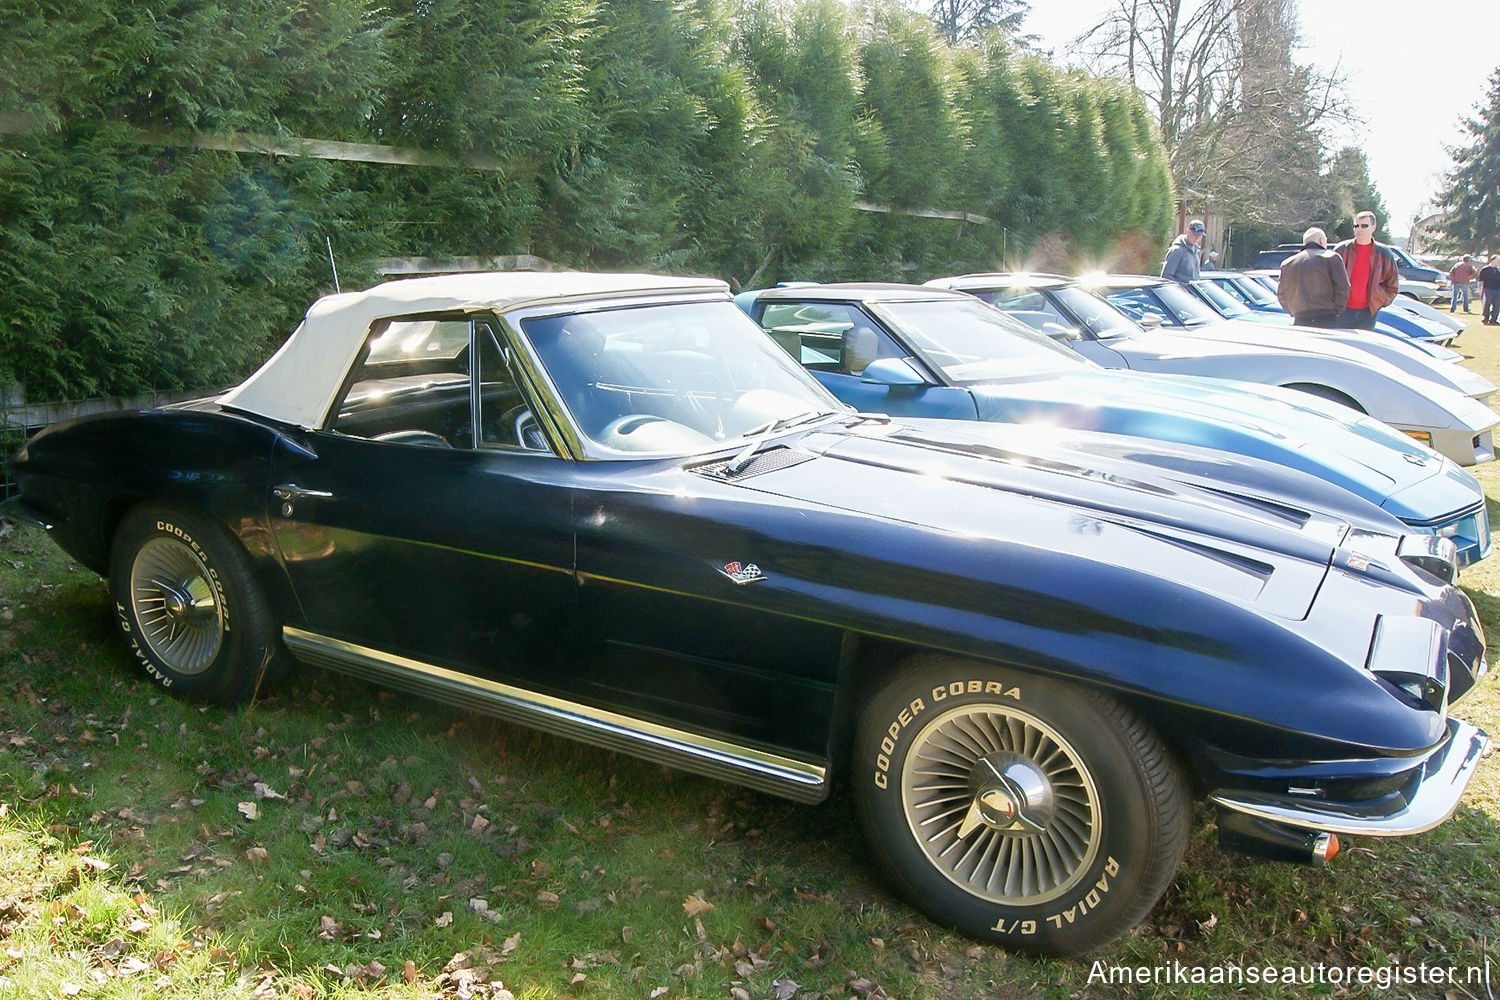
(338, 840)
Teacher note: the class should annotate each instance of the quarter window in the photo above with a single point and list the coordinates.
(412, 387)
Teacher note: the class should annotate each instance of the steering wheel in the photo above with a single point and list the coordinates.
(694, 409)
(519, 425)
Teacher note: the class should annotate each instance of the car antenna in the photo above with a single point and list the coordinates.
(328, 240)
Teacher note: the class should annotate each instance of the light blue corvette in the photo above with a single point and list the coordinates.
(921, 351)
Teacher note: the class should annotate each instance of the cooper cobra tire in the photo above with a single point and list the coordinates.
(1019, 810)
(190, 608)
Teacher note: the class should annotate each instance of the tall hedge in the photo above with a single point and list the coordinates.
(738, 138)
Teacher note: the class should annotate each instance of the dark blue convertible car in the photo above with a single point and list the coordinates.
(610, 507)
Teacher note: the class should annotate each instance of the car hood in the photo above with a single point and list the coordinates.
(1414, 307)
(1183, 515)
(1289, 428)
(1356, 347)
(1416, 333)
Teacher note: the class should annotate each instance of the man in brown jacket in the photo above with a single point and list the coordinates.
(1313, 286)
(1374, 281)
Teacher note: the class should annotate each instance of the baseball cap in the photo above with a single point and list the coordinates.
(1197, 228)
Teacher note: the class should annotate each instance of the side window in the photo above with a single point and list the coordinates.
(828, 336)
(1134, 302)
(412, 386)
(1034, 309)
(811, 332)
(505, 418)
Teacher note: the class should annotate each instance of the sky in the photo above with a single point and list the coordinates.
(1413, 73)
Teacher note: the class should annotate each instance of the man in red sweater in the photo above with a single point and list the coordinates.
(1373, 279)
(1459, 276)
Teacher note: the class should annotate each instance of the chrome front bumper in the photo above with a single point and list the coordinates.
(1428, 800)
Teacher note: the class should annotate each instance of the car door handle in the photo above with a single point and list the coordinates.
(291, 491)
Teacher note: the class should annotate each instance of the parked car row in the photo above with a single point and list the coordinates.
(925, 351)
(1245, 296)
(1418, 280)
(614, 508)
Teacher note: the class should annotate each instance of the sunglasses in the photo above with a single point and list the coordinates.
(1364, 225)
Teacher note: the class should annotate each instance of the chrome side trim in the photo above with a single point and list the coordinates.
(1445, 775)
(784, 776)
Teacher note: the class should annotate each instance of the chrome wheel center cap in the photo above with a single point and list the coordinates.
(996, 807)
(1011, 795)
(178, 603)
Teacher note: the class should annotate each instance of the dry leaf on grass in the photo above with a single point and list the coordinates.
(696, 904)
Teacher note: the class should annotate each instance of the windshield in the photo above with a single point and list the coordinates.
(676, 378)
(1098, 316)
(974, 342)
(1225, 302)
(1252, 291)
(1169, 300)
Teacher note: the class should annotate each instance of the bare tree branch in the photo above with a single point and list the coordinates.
(1241, 118)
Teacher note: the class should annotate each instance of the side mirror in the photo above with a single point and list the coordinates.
(1151, 321)
(892, 372)
(1063, 334)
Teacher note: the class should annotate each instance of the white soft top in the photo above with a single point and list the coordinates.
(298, 384)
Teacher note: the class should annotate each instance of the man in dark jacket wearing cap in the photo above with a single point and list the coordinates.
(1182, 256)
(1314, 284)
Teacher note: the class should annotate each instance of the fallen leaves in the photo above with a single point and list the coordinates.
(265, 791)
(696, 904)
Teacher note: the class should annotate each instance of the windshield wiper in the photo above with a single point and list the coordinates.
(759, 435)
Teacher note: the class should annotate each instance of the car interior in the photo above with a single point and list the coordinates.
(413, 388)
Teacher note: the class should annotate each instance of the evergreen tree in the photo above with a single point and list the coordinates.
(798, 207)
(961, 20)
(736, 138)
(128, 265)
(1350, 190)
(1471, 197)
